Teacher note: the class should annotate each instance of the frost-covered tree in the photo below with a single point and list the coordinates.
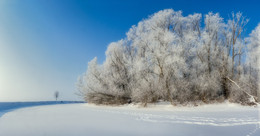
(93, 83)
(253, 61)
(118, 70)
(171, 57)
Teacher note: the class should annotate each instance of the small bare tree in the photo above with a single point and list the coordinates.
(56, 95)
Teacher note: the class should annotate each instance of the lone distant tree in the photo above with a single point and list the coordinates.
(56, 95)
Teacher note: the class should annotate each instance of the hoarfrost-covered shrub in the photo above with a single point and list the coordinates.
(171, 57)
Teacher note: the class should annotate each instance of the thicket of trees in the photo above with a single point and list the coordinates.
(176, 58)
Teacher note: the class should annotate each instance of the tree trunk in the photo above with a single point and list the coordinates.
(233, 61)
(226, 91)
(209, 53)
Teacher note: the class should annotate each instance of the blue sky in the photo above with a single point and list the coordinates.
(46, 44)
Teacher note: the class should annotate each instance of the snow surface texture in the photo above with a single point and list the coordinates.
(161, 119)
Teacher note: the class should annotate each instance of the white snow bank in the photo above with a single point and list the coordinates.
(161, 119)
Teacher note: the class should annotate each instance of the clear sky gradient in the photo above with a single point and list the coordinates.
(46, 44)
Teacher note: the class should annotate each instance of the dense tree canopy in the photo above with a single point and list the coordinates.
(177, 58)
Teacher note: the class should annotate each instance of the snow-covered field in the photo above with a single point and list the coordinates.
(131, 120)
